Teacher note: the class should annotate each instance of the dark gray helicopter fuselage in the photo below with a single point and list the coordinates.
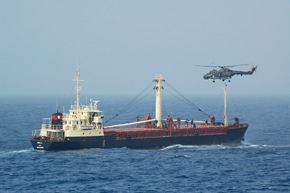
(225, 73)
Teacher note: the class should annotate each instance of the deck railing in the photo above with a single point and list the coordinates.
(54, 127)
(82, 107)
(35, 132)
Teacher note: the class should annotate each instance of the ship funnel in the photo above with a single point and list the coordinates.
(158, 110)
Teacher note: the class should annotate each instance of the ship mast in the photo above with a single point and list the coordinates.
(225, 105)
(158, 87)
(78, 88)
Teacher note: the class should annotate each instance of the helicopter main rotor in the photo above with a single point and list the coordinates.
(220, 66)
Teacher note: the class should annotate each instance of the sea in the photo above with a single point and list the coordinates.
(260, 164)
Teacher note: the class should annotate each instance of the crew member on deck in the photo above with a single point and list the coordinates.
(186, 122)
(212, 120)
(178, 122)
(138, 119)
(237, 121)
(169, 121)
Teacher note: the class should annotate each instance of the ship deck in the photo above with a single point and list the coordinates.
(150, 132)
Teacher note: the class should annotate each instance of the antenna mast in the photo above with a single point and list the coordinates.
(225, 105)
(78, 88)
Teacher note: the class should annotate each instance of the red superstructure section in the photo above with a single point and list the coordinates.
(56, 120)
(56, 116)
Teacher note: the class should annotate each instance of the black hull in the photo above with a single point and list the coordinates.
(232, 137)
(69, 143)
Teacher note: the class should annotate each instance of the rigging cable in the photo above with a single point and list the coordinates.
(184, 99)
(138, 98)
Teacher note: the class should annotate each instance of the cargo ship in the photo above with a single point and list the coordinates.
(82, 127)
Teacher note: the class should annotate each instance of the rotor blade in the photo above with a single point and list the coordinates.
(220, 66)
(237, 65)
(207, 66)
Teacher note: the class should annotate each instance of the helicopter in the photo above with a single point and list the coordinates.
(224, 73)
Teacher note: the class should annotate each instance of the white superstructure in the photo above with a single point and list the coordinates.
(81, 121)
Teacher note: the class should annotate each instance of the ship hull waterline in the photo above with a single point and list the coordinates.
(233, 137)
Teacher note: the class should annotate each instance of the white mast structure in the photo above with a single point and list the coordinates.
(158, 110)
(78, 89)
(225, 106)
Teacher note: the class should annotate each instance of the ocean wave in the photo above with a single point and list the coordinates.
(22, 151)
(221, 147)
(196, 147)
(177, 146)
(250, 145)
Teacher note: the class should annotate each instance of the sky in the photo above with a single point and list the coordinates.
(121, 45)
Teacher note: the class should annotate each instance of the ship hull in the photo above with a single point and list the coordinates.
(232, 137)
(71, 143)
